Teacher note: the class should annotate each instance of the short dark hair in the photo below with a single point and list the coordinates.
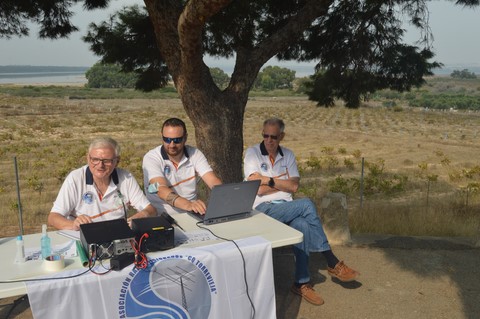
(275, 121)
(175, 122)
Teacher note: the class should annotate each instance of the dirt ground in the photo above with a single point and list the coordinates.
(401, 277)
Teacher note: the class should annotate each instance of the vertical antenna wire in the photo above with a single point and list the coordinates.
(19, 203)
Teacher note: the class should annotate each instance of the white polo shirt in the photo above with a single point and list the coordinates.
(78, 196)
(285, 166)
(182, 179)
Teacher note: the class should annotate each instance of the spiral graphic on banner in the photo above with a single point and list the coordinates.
(173, 288)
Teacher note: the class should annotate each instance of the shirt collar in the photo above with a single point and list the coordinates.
(264, 150)
(165, 155)
(89, 176)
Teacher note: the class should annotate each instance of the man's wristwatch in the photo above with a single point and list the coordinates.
(271, 182)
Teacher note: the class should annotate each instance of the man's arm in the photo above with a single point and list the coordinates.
(211, 179)
(148, 211)
(169, 196)
(285, 185)
(61, 222)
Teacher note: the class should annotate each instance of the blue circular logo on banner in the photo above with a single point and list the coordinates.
(177, 287)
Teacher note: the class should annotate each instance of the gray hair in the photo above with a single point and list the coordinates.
(104, 142)
(275, 121)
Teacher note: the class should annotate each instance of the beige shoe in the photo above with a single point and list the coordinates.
(343, 272)
(308, 293)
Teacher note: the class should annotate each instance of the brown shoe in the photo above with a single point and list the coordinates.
(343, 272)
(307, 292)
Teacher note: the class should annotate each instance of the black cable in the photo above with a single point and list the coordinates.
(15, 303)
(123, 203)
(243, 263)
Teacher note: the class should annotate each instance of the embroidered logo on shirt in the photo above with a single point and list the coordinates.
(88, 197)
(167, 170)
(264, 167)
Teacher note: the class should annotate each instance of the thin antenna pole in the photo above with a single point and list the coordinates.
(361, 183)
(20, 219)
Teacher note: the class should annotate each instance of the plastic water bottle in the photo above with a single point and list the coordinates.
(45, 243)
(20, 255)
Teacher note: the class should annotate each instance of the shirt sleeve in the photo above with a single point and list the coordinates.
(200, 163)
(292, 165)
(152, 166)
(130, 188)
(67, 196)
(250, 162)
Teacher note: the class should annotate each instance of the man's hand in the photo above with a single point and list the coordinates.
(257, 176)
(198, 207)
(81, 219)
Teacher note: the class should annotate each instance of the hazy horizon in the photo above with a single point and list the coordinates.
(454, 28)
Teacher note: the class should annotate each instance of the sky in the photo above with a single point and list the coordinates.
(455, 30)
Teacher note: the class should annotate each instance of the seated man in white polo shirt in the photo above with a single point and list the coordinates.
(276, 168)
(98, 191)
(170, 172)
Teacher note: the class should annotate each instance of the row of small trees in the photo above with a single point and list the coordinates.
(275, 77)
(111, 76)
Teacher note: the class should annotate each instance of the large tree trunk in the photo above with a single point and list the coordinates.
(219, 131)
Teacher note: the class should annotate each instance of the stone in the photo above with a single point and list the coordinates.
(334, 215)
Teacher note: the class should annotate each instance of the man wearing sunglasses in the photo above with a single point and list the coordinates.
(98, 191)
(276, 167)
(170, 172)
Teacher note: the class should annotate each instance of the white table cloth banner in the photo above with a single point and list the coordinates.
(197, 283)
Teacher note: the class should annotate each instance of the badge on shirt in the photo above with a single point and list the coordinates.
(88, 197)
(264, 167)
(167, 170)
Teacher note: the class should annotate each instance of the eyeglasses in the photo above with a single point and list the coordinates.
(273, 137)
(176, 140)
(105, 161)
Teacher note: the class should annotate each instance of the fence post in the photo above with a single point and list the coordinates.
(20, 218)
(361, 183)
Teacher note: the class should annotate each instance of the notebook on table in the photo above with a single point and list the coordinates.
(229, 202)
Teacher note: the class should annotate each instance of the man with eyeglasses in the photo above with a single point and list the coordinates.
(170, 172)
(277, 170)
(98, 191)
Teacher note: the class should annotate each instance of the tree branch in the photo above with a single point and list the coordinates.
(249, 62)
(190, 29)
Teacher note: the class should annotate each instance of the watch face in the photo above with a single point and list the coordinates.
(271, 182)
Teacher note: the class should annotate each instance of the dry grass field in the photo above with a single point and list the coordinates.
(423, 166)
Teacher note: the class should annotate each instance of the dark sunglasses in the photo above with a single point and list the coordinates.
(176, 140)
(273, 137)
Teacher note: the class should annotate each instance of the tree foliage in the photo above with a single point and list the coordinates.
(220, 78)
(275, 77)
(109, 76)
(463, 74)
(357, 44)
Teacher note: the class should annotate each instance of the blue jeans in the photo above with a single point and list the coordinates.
(300, 214)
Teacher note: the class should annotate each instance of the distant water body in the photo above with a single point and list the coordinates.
(56, 77)
(43, 78)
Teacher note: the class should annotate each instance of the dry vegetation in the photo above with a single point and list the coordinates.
(425, 162)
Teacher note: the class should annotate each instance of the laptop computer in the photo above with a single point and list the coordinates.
(229, 202)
